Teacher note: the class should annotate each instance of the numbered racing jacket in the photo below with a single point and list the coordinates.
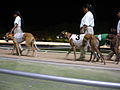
(77, 39)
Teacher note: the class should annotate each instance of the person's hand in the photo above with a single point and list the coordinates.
(82, 30)
(118, 34)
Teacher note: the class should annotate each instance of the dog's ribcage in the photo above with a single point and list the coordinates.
(77, 39)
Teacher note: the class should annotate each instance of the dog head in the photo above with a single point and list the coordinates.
(8, 36)
(109, 38)
(63, 34)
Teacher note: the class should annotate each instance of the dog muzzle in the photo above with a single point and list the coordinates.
(6, 39)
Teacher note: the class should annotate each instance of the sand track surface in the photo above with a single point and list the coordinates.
(59, 58)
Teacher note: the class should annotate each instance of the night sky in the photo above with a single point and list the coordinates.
(51, 13)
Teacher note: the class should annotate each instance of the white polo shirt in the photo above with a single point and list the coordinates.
(118, 27)
(18, 21)
(88, 20)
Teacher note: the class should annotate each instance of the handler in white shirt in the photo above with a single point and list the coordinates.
(18, 33)
(87, 22)
(17, 23)
(118, 25)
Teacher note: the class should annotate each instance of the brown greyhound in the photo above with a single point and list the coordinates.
(86, 39)
(29, 42)
(115, 47)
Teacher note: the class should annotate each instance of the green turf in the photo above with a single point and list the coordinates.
(9, 82)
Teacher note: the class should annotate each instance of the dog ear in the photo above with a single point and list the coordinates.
(66, 33)
(63, 32)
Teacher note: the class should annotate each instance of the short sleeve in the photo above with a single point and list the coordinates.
(86, 20)
(17, 19)
(118, 27)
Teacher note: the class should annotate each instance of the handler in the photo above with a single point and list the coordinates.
(18, 24)
(118, 26)
(86, 26)
(109, 56)
(87, 22)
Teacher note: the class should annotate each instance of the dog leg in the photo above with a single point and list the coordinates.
(68, 52)
(95, 56)
(82, 49)
(98, 57)
(33, 53)
(28, 50)
(74, 50)
(21, 49)
(29, 46)
(90, 56)
(94, 46)
(117, 58)
(17, 47)
(97, 50)
(18, 50)
(34, 47)
(82, 55)
(12, 52)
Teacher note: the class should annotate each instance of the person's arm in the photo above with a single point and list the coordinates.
(118, 28)
(118, 32)
(85, 21)
(16, 22)
(15, 26)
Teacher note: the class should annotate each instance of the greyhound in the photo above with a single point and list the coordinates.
(29, 42)
(115, 47)
(75, 42)
(102, 40)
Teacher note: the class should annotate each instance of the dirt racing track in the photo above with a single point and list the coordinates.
(59, 58)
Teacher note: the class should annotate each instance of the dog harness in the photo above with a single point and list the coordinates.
(19, 37)
(77, 39)
(102, 38)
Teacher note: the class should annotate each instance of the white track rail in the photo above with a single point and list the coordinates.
(62, 79)
(38, 43)
(47, 43)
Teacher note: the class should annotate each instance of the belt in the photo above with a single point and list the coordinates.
(89, 26)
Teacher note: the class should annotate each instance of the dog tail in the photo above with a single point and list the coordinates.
(35, 45)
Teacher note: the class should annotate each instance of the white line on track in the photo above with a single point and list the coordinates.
(60, 63)
(52, 51)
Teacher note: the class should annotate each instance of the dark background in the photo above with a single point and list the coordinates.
(51, 17)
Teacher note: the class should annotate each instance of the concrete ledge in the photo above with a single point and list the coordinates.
(47, 43)
(38, 43)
